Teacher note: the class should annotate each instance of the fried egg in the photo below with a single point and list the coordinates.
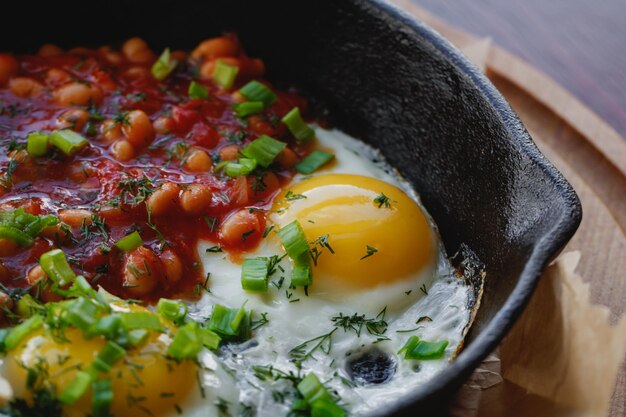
(380, 276)
(380, 261)
(144, 382)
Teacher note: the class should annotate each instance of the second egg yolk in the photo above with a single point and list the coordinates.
(144, 382)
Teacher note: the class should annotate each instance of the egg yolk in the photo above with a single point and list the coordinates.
(144, 382)
(377, 233)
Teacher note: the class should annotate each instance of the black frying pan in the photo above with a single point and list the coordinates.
(393, 82)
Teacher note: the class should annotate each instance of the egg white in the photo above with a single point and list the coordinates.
(295, 317)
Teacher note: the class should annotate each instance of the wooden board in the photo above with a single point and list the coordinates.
(589, 153)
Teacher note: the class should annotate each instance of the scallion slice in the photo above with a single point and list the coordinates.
(107, 326)
(22, 330)
(264, 149)
(187, 343)
(81, 287)
(137, 337)
(141, 320)
(297, 126)
(55, 265)
(21, 227)
(326, 408)
(210, 340)
(197, 91)
(76, 389)
(67, 141)
(9, 232)
(415, 348)
(254, 274)
(164, 66)
(174, 311)
(319, 400)
(129, 242)
(81, 313)
(255, 91)
(301, 273)
(108, 356)
(248, 107)
(224, 74)
(102, 397)
(28, 306)
(227, 322)
(241, 168)
(293, 239)
(313, 390)
(313, 161)
(300, 406)
(37, 144)
(3, 335)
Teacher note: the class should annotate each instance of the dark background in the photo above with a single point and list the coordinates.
(579, 43)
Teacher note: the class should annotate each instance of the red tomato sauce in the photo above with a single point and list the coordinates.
(116, 190)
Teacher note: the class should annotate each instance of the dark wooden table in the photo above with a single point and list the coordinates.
(581, 44)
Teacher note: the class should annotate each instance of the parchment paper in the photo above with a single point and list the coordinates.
(560, 359)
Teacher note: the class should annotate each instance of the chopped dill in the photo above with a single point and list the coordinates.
(290, 196)
(383, 200)
(370, 251)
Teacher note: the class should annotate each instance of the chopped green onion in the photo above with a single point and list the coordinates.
(164, 66)
(313, 161)
(224, 74)
(301, 273)
(197, 91)
(129, 242)
(240, 168)
(37, 144)
(254, 274)
(247, 108)
(27, 306)
(264, 149)
(137, 337)
(102, 397)
(210, 340)
(300, 406)
(321, 403)
(326, 408)
(19, 332)
(39, 223)
(76, 389)
(141, 320)
(187, 343)
(227, 322)
(108, 356)
(255, 91)
(312, 389)
(107, 326)
(297, 126)
(21, 227)
(81, 313)
(67, 141)
(174, 311)
(415, 348)
(81, 287)
(293, 239)
(3, 335)
(54, 264)
(15, 235)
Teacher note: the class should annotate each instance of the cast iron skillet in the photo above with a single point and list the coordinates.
(393, 82)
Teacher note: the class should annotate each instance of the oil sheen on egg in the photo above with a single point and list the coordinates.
(406, 279)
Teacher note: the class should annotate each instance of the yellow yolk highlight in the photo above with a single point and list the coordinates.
(142, 380)
(344, 208)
